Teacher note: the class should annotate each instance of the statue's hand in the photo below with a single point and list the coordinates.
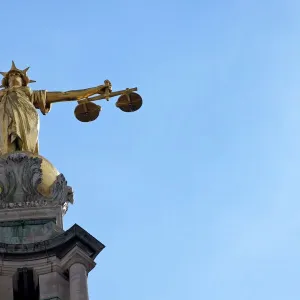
(104, 88)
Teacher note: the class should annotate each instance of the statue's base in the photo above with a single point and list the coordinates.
(32, 191)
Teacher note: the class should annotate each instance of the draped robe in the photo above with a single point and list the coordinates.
(19, 119)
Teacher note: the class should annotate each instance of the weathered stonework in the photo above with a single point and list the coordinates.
(56, 262)
(59, 245)
(28, 231)
(34, 197)
(20, 177)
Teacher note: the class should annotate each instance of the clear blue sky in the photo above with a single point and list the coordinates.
(197, 195)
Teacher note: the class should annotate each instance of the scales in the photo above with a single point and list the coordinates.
(87, 111)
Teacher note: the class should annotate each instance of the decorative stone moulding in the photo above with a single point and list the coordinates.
(28, 180)
(60, 246)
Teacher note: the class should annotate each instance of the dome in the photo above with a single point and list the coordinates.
(49, 172)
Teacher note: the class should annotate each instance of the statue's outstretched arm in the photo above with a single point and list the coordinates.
(53, 97)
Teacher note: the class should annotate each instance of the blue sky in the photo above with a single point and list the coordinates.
(196, 196)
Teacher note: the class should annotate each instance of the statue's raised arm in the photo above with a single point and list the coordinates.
(19, 120)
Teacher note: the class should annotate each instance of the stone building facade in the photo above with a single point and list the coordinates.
(39, 260)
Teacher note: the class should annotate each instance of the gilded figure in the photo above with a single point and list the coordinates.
(19, 119)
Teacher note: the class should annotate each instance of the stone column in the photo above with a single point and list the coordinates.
(6, 288)
(78, 282)
(79, 264)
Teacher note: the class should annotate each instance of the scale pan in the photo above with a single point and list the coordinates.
(129, 103)
(87, 112)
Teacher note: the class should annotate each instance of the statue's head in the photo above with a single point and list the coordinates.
(15, 77)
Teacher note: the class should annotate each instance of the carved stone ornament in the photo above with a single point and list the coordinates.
(21, 178)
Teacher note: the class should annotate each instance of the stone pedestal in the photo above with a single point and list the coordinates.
(34, 197)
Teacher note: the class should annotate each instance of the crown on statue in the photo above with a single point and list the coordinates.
(14, 69)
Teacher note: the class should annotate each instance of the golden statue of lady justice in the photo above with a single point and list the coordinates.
(19, 120)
